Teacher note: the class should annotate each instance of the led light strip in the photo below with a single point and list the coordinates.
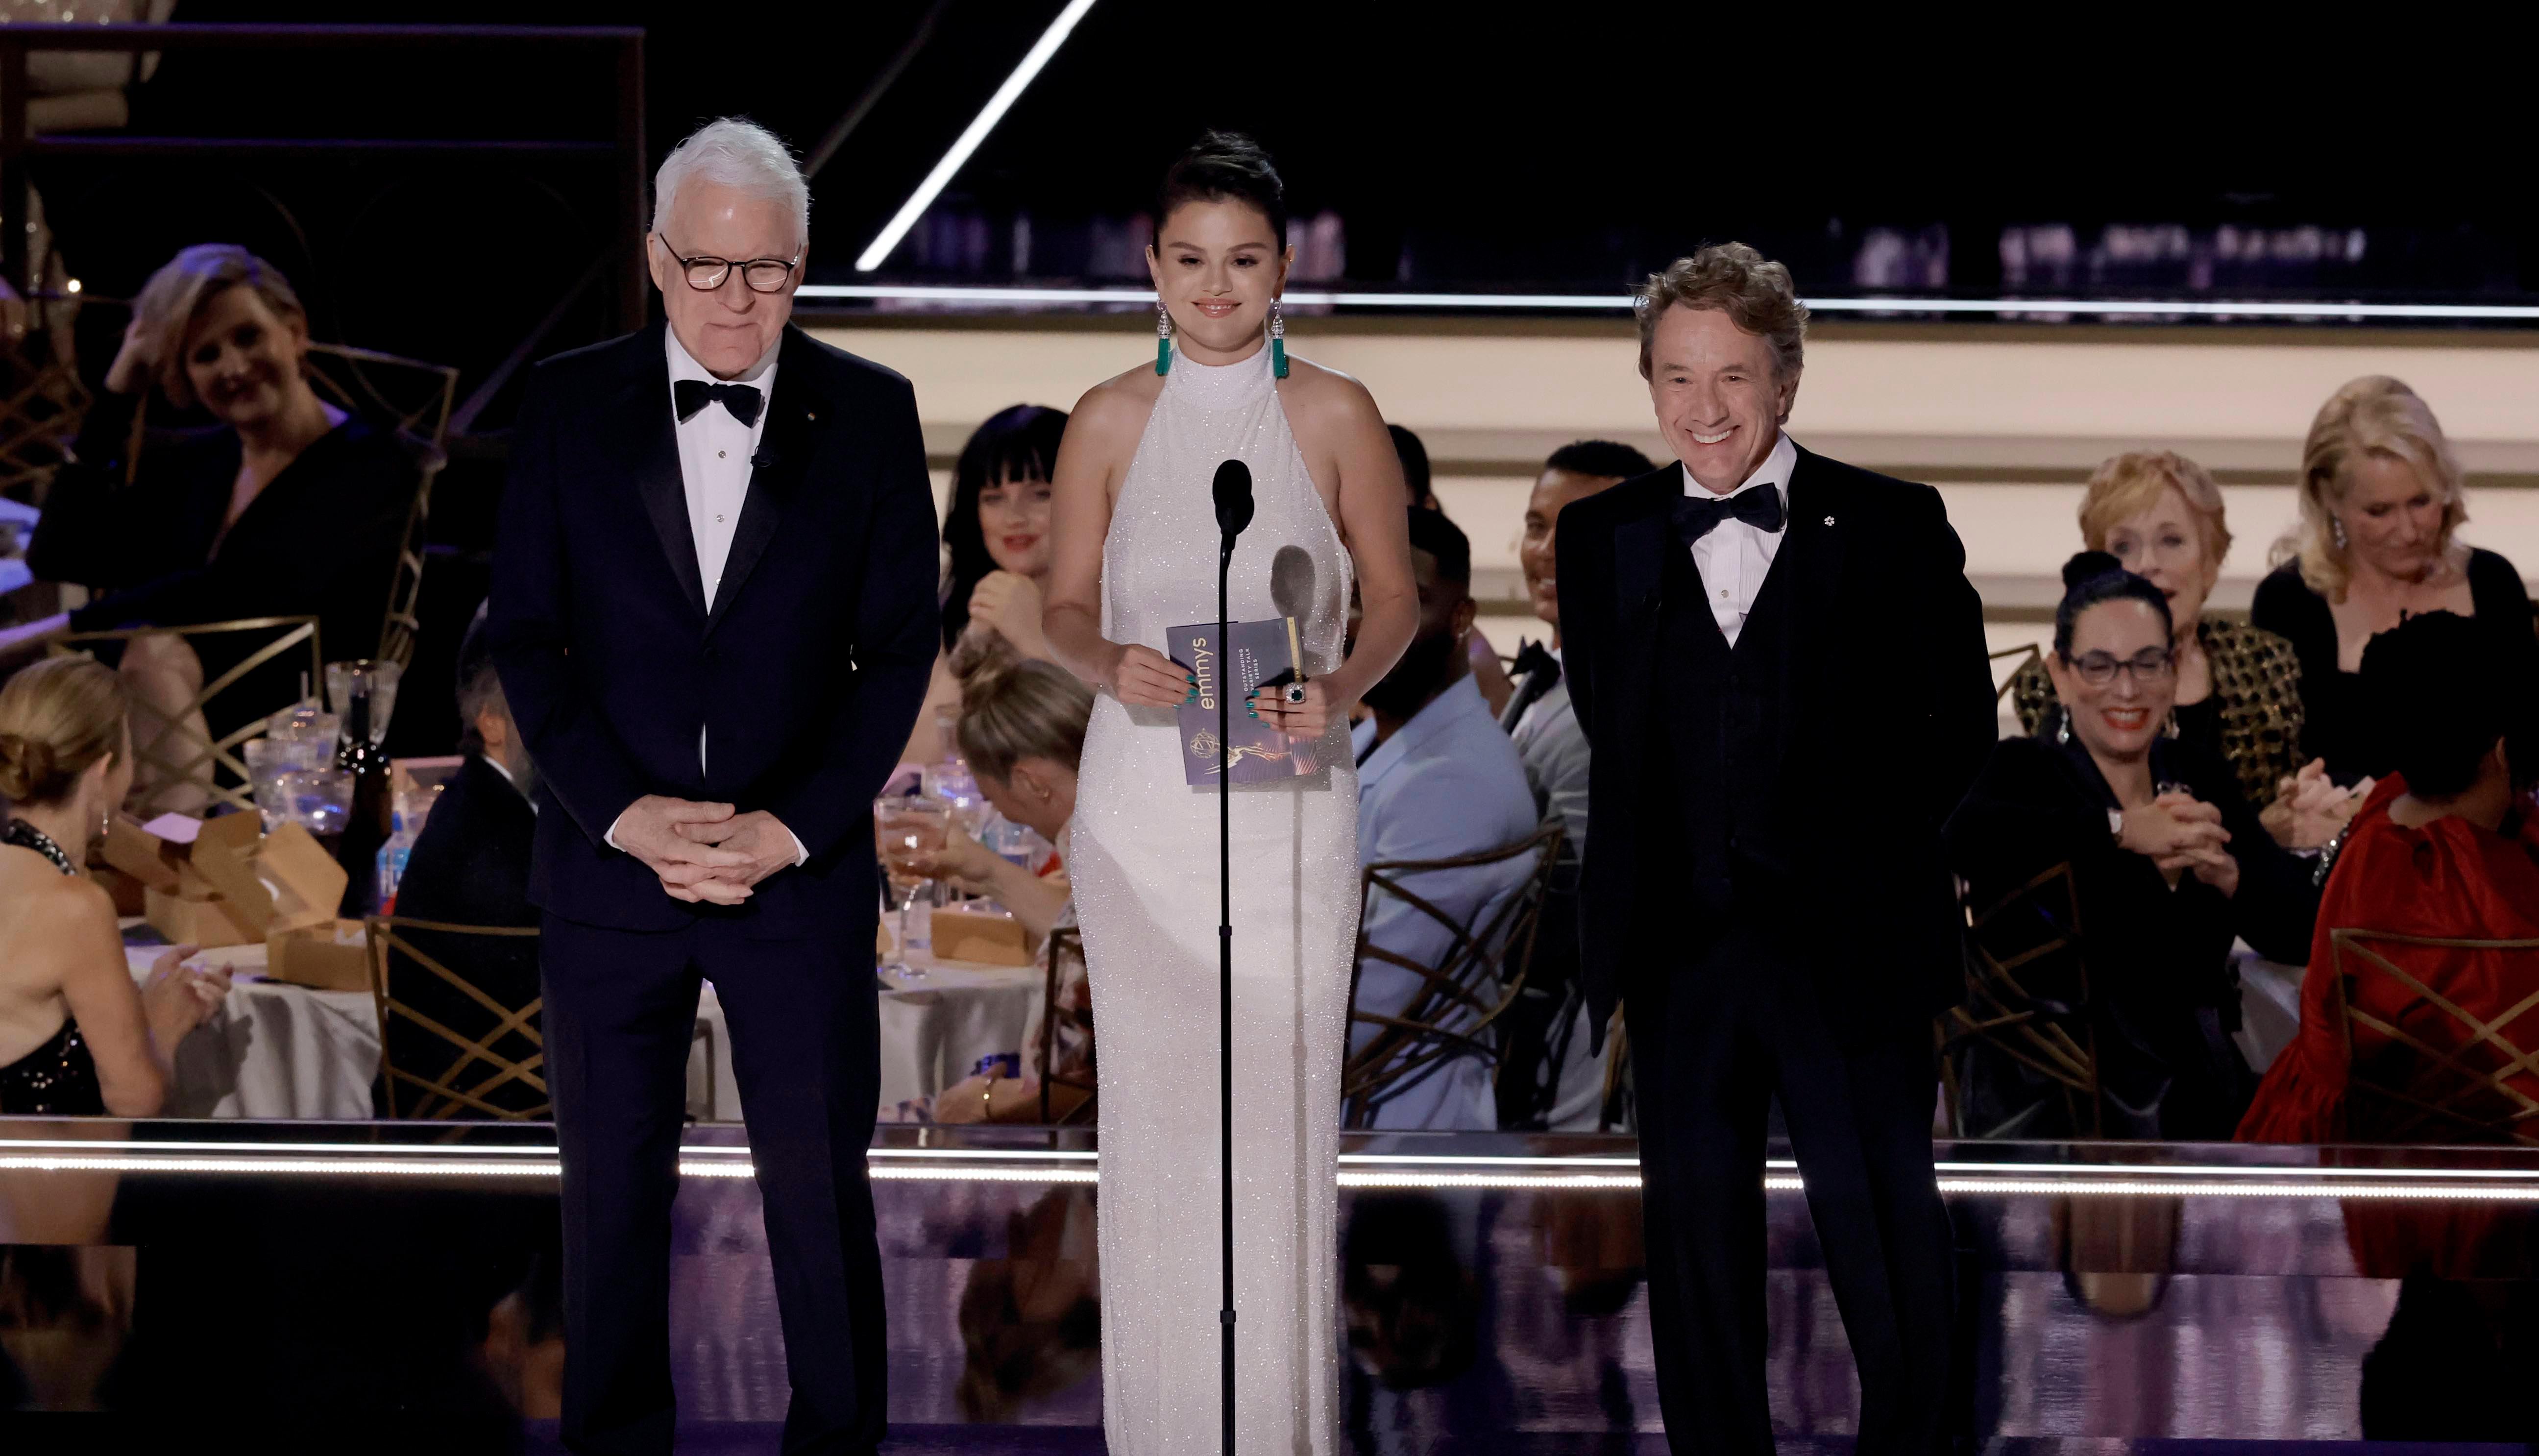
(971, 135)
(1621, 303)
(1363, 1171)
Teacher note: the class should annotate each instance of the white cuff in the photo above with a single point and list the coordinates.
(610, 838)
(799, 854)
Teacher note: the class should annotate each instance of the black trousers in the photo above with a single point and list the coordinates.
(620, 1009)
(1712, 1039)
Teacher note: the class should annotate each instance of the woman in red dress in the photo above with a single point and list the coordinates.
(2448, 848)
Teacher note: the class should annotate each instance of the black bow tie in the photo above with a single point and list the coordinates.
(1760, 508)
(692, 395)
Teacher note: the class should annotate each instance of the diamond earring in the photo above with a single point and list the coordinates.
(1278, 341)
(2336, 529)
(1163, 338)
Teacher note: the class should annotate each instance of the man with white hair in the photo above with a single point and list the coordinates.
(714, 613)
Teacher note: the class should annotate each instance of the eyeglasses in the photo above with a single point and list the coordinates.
(706, 274)
(2151, 665)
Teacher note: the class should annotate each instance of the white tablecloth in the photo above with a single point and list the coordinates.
(934, 1031)
(289, 1051)
(273, 1050)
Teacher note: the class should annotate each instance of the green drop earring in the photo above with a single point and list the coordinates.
(1163, 338)
(1278, 341)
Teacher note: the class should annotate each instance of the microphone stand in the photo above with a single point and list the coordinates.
(1225, 987)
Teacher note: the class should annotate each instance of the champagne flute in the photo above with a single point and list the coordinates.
(905, 829)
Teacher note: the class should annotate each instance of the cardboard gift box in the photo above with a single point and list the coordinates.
(979, 936)
(284, 887)
(177, 898)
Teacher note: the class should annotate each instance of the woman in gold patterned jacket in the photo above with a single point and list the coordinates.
(2239, 687)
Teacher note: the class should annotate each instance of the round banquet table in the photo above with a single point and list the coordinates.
(285, 1052)
(934, 1030)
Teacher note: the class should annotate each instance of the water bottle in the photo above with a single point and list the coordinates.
(391, 862)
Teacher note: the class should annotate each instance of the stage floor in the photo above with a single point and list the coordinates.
(397, 1285)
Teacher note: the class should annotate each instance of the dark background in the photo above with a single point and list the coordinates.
(2138, 154)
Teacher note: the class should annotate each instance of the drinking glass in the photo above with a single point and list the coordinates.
(317, 799)
(381, 678)
(903, 829)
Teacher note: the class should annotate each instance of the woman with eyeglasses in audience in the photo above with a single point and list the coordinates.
(995, 543)
(2445, 847)
(1022, 730)
(2167, 866)
(77, 1039)
(2381, 504)
(2160, 516)
(284, 507)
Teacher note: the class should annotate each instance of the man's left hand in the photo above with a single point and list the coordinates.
(758, 833)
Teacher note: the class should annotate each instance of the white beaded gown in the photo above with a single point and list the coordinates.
(1146, 894)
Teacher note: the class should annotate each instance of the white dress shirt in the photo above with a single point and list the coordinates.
(1733, 557)
(715, 452)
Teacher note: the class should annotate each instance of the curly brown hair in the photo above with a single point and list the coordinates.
(1757, 293)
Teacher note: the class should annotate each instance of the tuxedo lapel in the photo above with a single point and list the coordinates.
(1812, 554)
(1641, 542)
(649, 442)
(785, 451)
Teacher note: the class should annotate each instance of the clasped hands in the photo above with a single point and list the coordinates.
(2310, 807)
(704, 853)
(1144, 677)
(2181, 835)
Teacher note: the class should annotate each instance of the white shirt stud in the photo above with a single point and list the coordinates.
(1828, 521)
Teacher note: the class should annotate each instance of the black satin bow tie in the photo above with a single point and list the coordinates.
(1534, 659)
(691, 395)
(1760, 508)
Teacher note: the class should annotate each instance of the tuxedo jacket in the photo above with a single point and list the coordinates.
(805, 677)
(1888, 716)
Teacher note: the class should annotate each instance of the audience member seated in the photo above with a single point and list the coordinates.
(2239, 687)
(2381, 506)
(470, 866)
(2167, 865)
(77, 1038)
(1022, 730)
(2446, 847)
(284, 506)
(1413, 453)
(1436, 779)
(995, 541)
(1545, 729)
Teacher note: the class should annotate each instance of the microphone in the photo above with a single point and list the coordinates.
(1292, 596)
(1233, 491)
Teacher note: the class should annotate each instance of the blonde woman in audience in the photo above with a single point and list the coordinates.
(77, 1039)
(286, 506)
(2376, 543)
(1022, 730)
(2237, 687)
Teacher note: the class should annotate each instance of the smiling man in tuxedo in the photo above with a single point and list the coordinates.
(713, 615)
(1771, 907)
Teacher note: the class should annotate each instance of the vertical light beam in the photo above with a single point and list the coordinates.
(969, 138)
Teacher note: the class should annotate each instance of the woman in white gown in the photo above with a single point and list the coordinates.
(1136, 538)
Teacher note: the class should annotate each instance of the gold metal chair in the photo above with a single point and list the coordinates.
(170, 746)
(2420, 1067)
(1066, 947)
(2028, 999)
(417, 398)
(477, 1067)
(1477, 976)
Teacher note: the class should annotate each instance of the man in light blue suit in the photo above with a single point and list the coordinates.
(1437, 779)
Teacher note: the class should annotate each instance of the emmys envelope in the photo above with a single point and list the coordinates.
(281, 887)
(1254, 654)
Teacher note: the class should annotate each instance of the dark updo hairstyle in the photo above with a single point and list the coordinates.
(1016, 444)
(2441, 703)
(1224, 167)
(2093, 577)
